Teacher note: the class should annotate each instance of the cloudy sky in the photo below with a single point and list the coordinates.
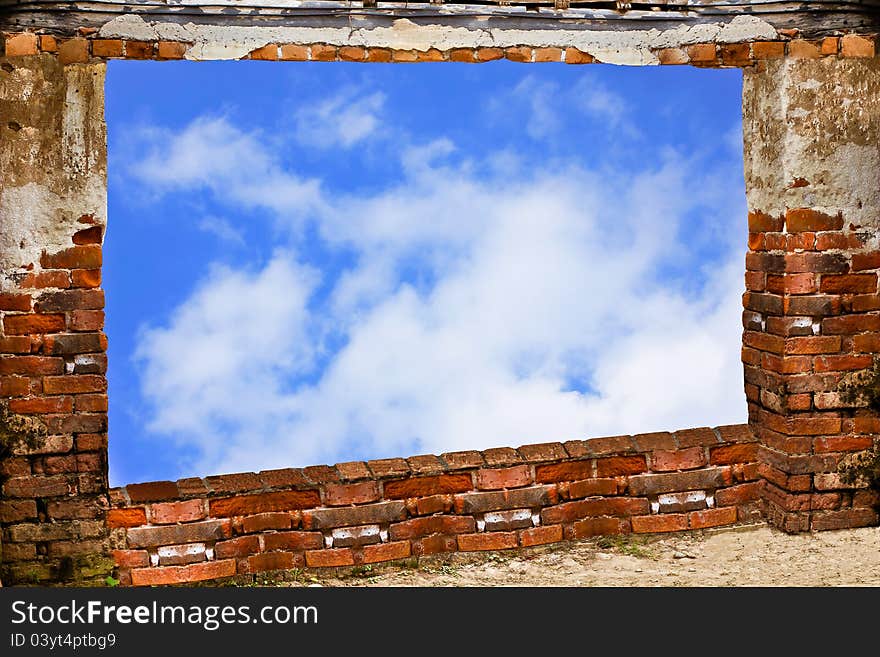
(309, 263)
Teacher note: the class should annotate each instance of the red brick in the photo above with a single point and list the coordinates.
(542, 452)
(352, 53)
(615, 506)
(48, 43)
(16, 302)
(763, 341)
(196, 572)
(726, 454)
(138, 50)
(487, 541)
(386, 551)
(540, 535)
(345, 494)
(621, 465)
(263, 502)
(682, 459)
(869, 342)
(712, 517)
(518, 54)
(802, 49)
(329, 558)
(320, 52)
(41, 405)
(434, 544)
(850, 324)
(421, 506)
(463, 460)
(694, 437)
(418, 527)
(13, 386)
(798, 220)
(702, 53)
(820, 263)
(572, 56)
(862, 261)
(462, 55)
(74, 384)
(171, 50)
(268, 52)
(18, 45)
(425, 464)
(75, 343)
(667, 522)
(77, 257)
(768, 49)
(740, 494)
(843, 519)
(293, 52)
(152, 491)
(87, 278)
(91, 403)
(496, 479)
(548, 55)
(32, 324)
(386, 468)
(49, 278)
(567, 471)
(760, 222)
(819, 344)
(855, 45)
(86, 320)
(17, 510)
(514, 498)
(589, 527)
(826, 444)
(804, 283)
(735, 54)
(64, 300)
(263, 521)
(37, 486)
(423, 486)
(173, 512)
(652, 484)
(238, 547)
(259, 563)
(294, 540)
(591, 487)
(194, 532)
(500, 456)
(31, 365)
(849, 284)
(648, 442)
(131, 558)
(126, 517)
(366, 514)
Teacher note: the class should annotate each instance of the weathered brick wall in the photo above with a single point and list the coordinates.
(361, 513)
(811, 111)
(812, 309)
(82, 49)
(52, 360)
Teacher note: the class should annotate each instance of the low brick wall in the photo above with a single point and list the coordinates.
(361, 513)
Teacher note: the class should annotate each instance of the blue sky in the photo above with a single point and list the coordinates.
(310, 263)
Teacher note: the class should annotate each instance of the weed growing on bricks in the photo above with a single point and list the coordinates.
(862, 389)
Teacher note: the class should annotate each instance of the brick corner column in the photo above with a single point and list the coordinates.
(52, 347)
(812, 311)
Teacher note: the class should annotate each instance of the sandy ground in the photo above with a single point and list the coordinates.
(738, 556)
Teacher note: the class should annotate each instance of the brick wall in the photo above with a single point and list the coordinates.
(83, 48)
(360, 513)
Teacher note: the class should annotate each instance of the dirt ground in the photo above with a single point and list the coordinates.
(737, 556)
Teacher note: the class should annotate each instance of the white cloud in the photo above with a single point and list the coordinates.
(343, 120)
(212, 154)
(546, 109)
(532, 281)
(222, 230)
